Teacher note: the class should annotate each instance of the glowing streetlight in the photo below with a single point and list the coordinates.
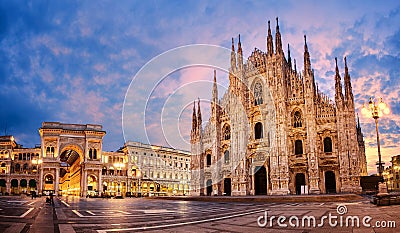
(36, 162)
(376, 110)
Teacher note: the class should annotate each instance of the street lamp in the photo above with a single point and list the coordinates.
(376, 110)
(37, 162)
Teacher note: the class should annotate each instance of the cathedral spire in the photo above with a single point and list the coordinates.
(278, 39)
(307, 62)
(338, 87)
(347, 85)
(215, 89)
(233, 56)
(199, 122)
(240, 54)
(289, 58)
(240, 46)
(295, 68)
(270, 47)
(194, 118)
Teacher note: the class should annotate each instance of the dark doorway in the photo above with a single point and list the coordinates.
(260, 181)
(300, 181)
(209, 187)
(227, 186)
(330, 182)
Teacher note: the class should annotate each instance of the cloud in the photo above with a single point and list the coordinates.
(73, 62)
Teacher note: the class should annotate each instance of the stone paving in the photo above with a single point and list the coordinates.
(227, 214)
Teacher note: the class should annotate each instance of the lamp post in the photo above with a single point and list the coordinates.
(37, 162)
(376, 110)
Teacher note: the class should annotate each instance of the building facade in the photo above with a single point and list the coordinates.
(70, 161)
(391, 175)
(274, 132)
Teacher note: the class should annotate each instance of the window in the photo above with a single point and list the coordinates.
(258, 131)
(226, 156)
(17, 167)
(227, 132)
(48, 179)
(208, 160)
(50, 151)
(297, 119)
(327, 145)
(258, 93)
(298, 147)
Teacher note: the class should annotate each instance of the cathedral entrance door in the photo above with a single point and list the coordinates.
(209, 187)
(330, 182)
(300, 181)
(260, 180)
(227, 186)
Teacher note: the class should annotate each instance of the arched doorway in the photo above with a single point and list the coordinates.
(14, 186)
(23, 184)
(209, 187)
(92, 185)
(330, 182)
(260, 180)
(227, 186)
(32, 185)
(70, 173)
(3, 186)
(48, 186)
(300, 181)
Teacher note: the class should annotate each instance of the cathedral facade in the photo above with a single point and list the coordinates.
(274, 132)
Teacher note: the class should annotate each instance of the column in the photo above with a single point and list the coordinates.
(40, 181)
(84, 183)
(8, 185)
(100, 183)
(56, 188)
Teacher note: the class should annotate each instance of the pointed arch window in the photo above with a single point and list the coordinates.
(258, 130)
(258, 94)
(298, 147)
(297, 121)
(226, 156)
(227, 132)
(327, 145)
(208, 160)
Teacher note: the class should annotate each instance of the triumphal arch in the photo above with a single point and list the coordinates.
(70, 158)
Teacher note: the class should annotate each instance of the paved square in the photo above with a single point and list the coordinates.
(19, 214)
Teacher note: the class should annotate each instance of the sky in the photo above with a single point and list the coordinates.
(75, 61)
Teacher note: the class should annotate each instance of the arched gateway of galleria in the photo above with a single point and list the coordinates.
(70, 160)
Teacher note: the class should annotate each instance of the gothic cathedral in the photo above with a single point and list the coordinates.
(274, 133)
